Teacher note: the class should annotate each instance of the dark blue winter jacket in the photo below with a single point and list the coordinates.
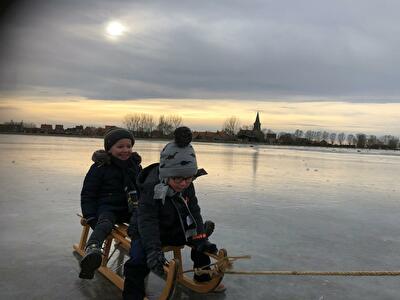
(106, 184)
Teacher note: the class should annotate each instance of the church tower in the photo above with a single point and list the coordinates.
(257, 124)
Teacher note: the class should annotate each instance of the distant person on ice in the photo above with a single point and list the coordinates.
(108, 193)
(168, 214)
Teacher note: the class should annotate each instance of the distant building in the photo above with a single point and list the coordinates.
(32, 130)
(59, 129)
(77, 130)
(270, 138)
(257, 123)
(90, 131)
(12, 127)
(211, 136)
(100, 131)
(254, 135)
(286, 138)
(46, 128)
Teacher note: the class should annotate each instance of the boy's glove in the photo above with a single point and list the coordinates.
(92, 221)
(209, 227)
(156, 261)
(203, 245)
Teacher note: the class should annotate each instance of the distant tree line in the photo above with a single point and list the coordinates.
(324, 138)
(144, 125)
(232, 127)
(58, 129)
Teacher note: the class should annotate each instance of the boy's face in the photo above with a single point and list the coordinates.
(178, 184)
(122, 149)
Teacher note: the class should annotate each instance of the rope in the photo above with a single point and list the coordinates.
(200, 271)
(220, 266)
(318, 273)
(224, 265)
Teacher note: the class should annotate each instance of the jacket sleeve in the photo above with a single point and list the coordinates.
(90, 191)
(148, 224)
(195, 209)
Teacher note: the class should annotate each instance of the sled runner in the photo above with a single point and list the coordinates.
(174, 271)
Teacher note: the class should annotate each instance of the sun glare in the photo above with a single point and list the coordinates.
(115, 29)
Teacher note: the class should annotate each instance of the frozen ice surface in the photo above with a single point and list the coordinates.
(289, 208)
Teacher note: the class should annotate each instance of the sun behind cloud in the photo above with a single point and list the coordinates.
(115, 29)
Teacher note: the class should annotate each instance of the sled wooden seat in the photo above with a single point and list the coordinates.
(174, 271)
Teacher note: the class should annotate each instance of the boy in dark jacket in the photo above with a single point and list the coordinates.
(168, 214)
(108, 187)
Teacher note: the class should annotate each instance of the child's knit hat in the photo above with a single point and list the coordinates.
(115, 135)
(178, 158)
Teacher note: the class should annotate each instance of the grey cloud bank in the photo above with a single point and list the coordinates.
(253, 50)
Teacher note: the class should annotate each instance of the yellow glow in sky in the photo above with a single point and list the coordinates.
(115, 29)
(369, 118)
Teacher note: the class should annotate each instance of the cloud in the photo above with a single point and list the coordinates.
(5, 109)
(253, 50)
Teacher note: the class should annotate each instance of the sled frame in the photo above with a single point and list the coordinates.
(174, 271)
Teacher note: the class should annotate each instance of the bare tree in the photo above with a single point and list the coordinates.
(341, 137)
(351, 139)
(372, 141)
(393, 143)
(387, 138)
(139, 124)
(132, 122)
(164, 125)
(325, 136)
(231, 125)
(175, 121)
(149, 124)
(361, 140)
(298, 133)
(390, 141)
(309, 135)
(318, 136)
(332, 137)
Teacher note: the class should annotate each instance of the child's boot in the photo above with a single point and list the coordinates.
(91, 261)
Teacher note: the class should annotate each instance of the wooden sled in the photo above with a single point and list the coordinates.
(174, 271)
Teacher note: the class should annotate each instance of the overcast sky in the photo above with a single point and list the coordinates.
(287, 51)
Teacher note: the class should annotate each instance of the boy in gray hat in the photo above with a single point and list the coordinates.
(168, 214)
